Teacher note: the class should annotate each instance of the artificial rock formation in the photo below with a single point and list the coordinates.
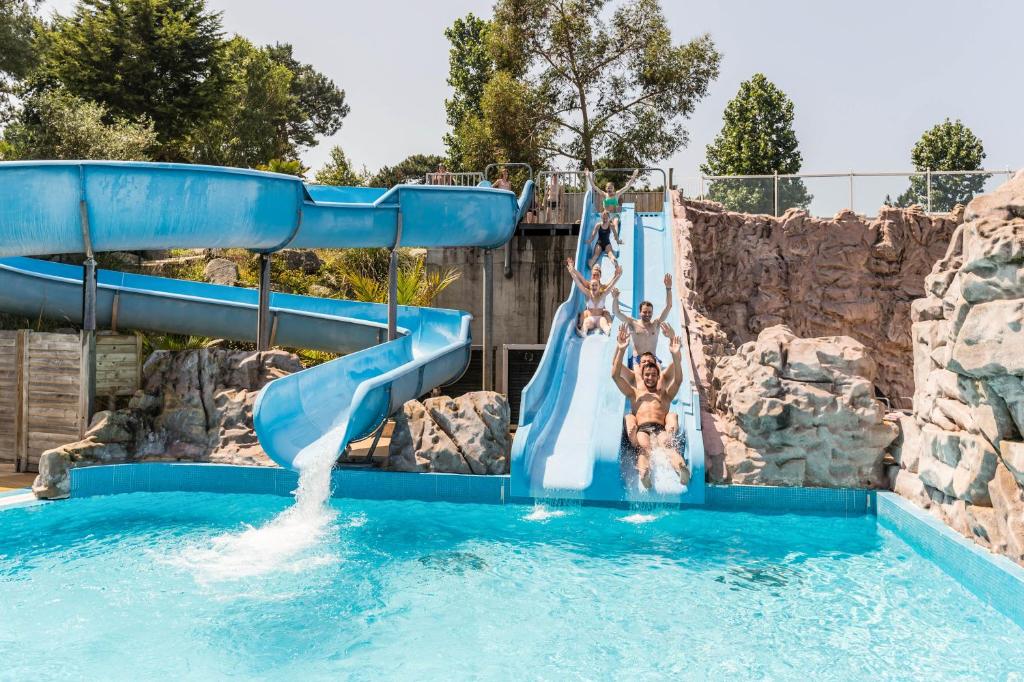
(848, 276)
(799, 412)
(464, 435)
(194, 406)
(961, 454)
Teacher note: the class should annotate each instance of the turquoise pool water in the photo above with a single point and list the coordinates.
(170, 586)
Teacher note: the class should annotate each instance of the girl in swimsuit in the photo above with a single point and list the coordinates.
(610, 198)
(594, 315)
(603, 232)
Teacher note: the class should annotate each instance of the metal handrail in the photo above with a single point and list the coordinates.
(664, 176)
(516, 164)
(464, 179)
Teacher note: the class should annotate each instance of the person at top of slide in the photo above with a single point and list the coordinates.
(650, 424)
(594, 316)
(644, 331)
(502, 182)
(603, 232)
(610, 198)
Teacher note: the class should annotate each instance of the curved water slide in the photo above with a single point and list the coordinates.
(76, 207)
(570, 442)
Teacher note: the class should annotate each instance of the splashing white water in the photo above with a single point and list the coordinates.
(640, 518)
(664, 477)
(542, 513)
(288, 542)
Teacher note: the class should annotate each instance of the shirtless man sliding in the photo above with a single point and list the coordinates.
(650, 399)
(644, 331)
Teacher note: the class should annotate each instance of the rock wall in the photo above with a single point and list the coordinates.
(961, 454)
(800, 412)
(847, 276)
(464, 435)
(194, 406)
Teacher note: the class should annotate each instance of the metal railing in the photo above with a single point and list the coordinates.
(559, 196)
(471, 179)
(826, 193)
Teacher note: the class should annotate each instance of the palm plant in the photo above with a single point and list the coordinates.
(415, 284)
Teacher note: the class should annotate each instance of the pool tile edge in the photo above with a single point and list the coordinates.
(993, 578)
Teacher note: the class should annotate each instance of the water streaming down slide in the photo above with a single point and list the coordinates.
(304, 420)
(570, 441)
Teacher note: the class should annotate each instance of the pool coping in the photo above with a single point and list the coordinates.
(430, 487)
(992, 578)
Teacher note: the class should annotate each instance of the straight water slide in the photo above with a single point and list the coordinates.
(570, 441)
(49, 208)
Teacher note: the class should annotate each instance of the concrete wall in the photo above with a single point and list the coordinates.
(524, 304)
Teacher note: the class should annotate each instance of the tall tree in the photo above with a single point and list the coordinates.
(57, 125)
(413, 166)
(154, 58)
(317, 105)
(248, 127)
(338, 171)
(18, 29)
(470, 67)
(611, 81)
(947, 146)
(757, 138)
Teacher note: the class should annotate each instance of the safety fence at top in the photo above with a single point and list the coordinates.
(825, 194)
(559, 197)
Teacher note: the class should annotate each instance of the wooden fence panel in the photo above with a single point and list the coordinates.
(118, 364)
(51, 398)
(10, 399)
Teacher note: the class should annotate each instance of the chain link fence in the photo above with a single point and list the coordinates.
(825, 194)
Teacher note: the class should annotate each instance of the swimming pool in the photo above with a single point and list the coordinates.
(169, 585)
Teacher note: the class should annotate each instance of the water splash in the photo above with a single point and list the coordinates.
(640, 518)
(293, 541)
(541, 512)
(664, 477)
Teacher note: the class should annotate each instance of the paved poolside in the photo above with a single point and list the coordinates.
(12, 481)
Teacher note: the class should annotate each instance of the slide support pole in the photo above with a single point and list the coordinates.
(393, 282)
(263, 313)
(87, 374)
(488, 318)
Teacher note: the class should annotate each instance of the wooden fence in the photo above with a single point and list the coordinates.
(41, 402)
(570, 206)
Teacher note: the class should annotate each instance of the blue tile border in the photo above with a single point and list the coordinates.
(224, 478)
(778, 499)
(994, 579)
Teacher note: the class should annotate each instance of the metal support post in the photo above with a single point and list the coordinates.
(776, 194)
(851, 190)
(488, 317)
(393, 281)
(928, 185)
(88, 339)
(263, 313)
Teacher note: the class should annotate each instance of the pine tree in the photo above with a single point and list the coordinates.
(757, 138)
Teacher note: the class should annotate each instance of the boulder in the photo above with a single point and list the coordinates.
(303, 260)
(221, 271)
(468, 434)
(53, 481)
(796, 413)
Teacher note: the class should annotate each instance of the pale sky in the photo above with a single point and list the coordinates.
(867, 76)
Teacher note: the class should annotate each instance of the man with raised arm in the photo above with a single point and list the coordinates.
(644, 331)
(650, 398)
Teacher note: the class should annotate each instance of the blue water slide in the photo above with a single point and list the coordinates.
(65, 207)
(570, 441)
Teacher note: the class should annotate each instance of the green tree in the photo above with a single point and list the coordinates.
(155, 58)
(470, 67)
(272, 106)
(612, 83)
(55, 124)
(19, 27)
(757, 138)
(317, 105)
(249, 126)
(338, 171)
(285, 166)
(414, 166)
(948, 146)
